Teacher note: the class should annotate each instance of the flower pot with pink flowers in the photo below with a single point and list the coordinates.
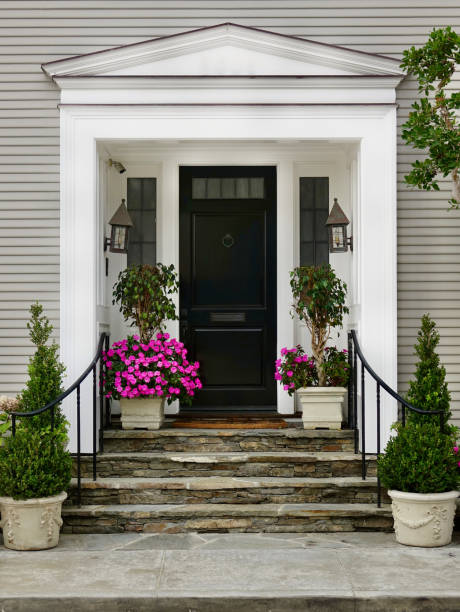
(147, 369)
(143, 375)
(319, 381)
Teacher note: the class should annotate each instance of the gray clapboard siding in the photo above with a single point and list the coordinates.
(37, 31)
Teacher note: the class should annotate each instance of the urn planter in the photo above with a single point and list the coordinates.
(142, 413)
(322, 407)
(423, 519)
(31, 524)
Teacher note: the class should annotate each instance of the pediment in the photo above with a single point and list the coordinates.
(224, 50)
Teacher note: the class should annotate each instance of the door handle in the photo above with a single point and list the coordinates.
(183, 328)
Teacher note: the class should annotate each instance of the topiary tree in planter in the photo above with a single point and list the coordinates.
(319, 301)
(428, 390)
(35, 465)
(420, 468)
(142, 293)
(46, 373)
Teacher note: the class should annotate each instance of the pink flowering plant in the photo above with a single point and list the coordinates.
(157, 368)
(296, 369)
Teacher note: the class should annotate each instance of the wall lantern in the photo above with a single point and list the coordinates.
(337, 229)
(120, 222)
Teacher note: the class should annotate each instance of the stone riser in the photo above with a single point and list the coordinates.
(144, 522)
(159, 467)
(225, 441)
(227, 491)
(241, 496)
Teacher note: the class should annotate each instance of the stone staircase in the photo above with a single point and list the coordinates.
(180, 480)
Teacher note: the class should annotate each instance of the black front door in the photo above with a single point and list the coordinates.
(228, 283)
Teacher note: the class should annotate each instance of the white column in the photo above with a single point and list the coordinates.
(285, 240)
(79, 227)
(376, 250)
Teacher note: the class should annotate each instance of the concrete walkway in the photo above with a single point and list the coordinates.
(231, 573)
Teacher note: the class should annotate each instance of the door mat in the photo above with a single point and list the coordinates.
(229, 422)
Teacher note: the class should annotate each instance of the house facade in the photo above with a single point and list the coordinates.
(229, 131)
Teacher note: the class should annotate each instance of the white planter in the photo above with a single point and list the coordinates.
(322, 407)
(31, 524)
(142, 413)
(423, 519)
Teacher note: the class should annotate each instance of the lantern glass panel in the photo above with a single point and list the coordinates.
(338, 236)
(119, 237)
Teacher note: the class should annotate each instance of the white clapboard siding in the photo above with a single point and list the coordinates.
(37, 31)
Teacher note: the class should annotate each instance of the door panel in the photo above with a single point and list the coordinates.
(228, 283)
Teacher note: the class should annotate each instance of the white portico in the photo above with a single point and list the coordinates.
(231, 95)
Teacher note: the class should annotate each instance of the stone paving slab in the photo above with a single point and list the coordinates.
(352, 572)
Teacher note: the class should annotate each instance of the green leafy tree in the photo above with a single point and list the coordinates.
(433, 125)
(319, 301)
(46, 372)
(428, 390)
(142, 292)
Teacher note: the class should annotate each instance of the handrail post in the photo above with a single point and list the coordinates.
(363, 424)
(13, 424)
(355, 399)
(78, 448)
(350, 382)
(101, 403)
(108, 416)
(379, 491)
(94, 423)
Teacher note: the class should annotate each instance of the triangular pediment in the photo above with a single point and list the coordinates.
(225, 50)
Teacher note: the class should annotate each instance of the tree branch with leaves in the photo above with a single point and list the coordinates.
(433, 124)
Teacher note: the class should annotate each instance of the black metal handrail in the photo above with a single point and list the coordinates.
(354, 351)
(97, 360)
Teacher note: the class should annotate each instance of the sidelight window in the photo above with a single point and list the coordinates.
(142, 204)
(314, 211)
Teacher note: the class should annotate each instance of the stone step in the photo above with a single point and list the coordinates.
(225, 490)
(210, 518)
(228, 440)
(168, 464)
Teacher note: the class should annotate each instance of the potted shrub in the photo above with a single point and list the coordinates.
(420, 466)
(296, 371)
(420, 469)
(145, 375)
(319, 301)
(35, 467)
(35, 471)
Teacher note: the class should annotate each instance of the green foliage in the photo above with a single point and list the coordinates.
(433, 125)
(5, 426)
(420, 459)
(45, 382)
(34, 463)
(319, 300)
(142, 292)
(428, 391)
(335, 367)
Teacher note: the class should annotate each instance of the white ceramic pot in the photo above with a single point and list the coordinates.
(31, 524)
(322, 407)
(423, 519)
(142, 413)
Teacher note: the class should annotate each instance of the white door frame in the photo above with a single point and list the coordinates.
(374, 127)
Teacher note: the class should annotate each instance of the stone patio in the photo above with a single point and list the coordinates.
(228, 572)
